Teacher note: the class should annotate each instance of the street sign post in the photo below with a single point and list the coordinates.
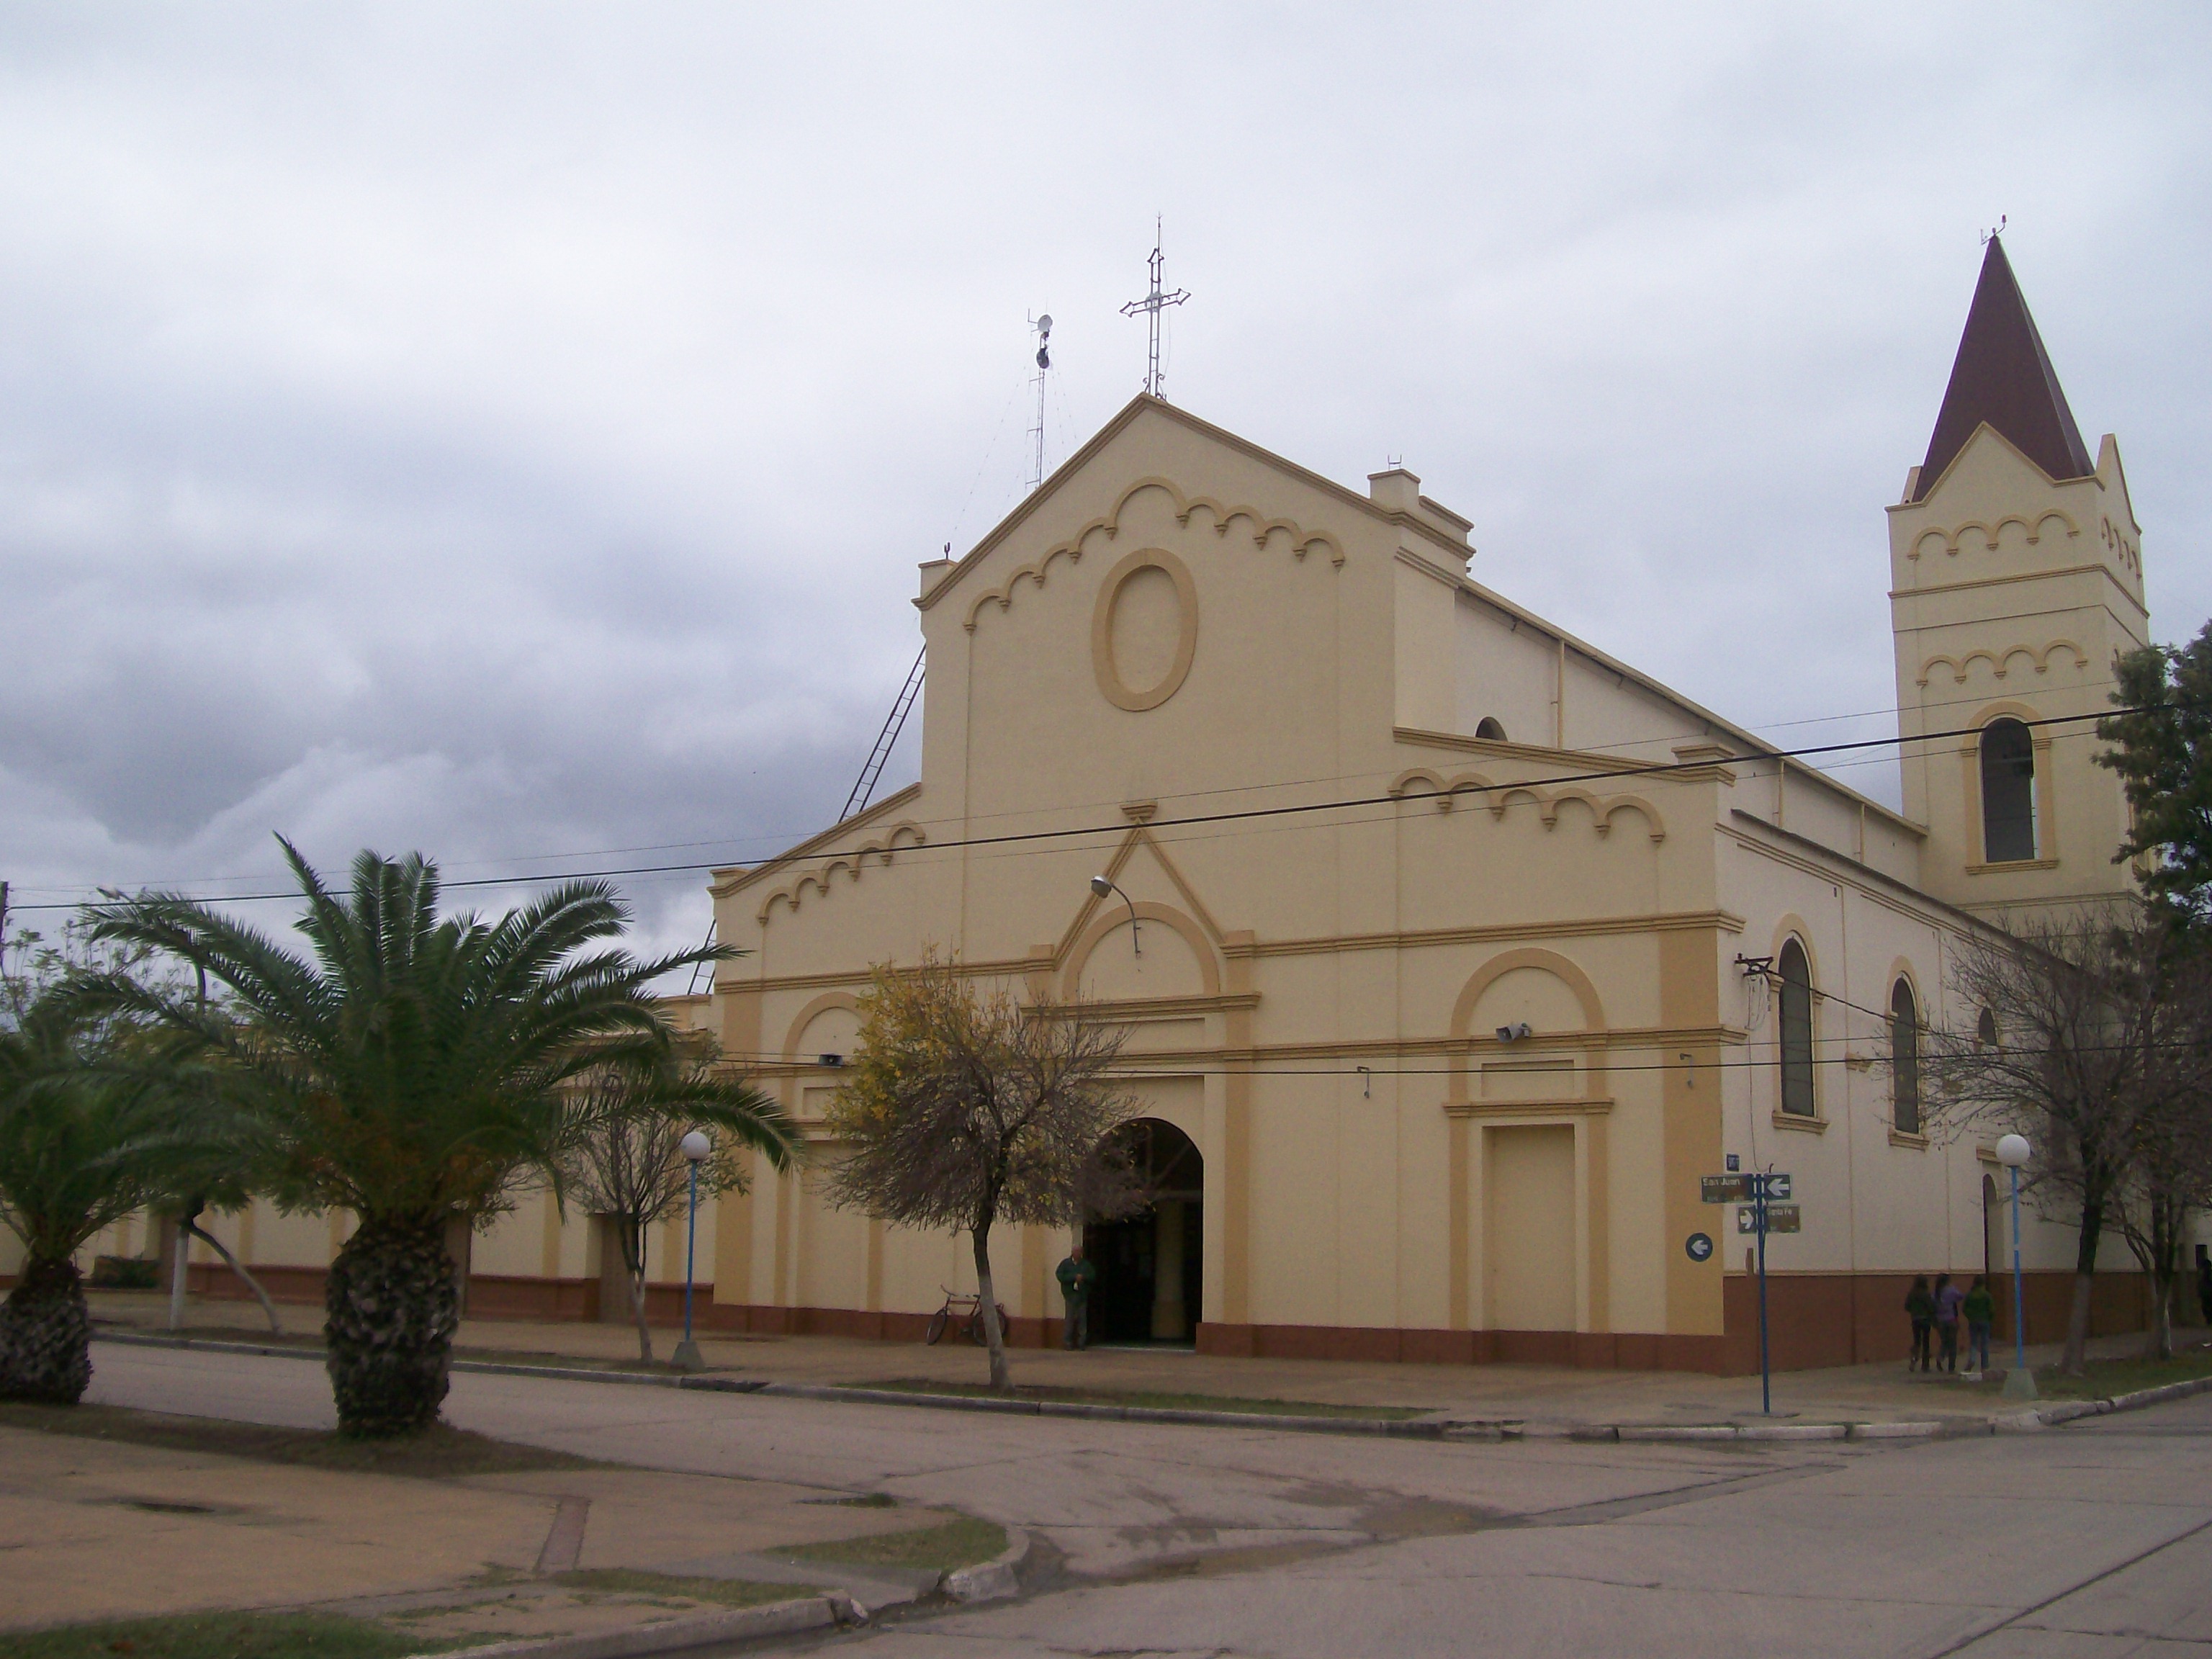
(1761, 1215)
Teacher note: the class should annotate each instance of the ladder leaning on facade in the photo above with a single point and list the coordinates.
(886, 740)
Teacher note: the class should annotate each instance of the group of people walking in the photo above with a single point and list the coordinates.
(1935, 1313)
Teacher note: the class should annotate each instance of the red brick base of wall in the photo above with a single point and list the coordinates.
(1813, 1320)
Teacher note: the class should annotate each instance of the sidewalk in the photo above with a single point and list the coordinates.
(1536, 1395)
(101, 1528)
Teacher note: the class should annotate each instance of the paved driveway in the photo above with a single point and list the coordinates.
(2090, 1539)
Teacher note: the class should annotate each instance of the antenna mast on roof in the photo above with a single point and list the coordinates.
(1150, 307)
(1042, 327)
(1988, 236)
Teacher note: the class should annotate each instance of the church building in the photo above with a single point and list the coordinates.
(1452, 952)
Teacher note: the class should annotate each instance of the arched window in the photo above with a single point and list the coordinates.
(2008, 792)
(1985, 1030)
(1797, 1030)
(1489, 729)
(1904, 1059)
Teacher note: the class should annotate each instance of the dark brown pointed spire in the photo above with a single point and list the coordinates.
(2003, 376)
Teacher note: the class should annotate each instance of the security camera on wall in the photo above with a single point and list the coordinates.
(1514, 1032)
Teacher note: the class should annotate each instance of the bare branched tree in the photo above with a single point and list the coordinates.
(2170, 1167)
(964, 1109)
(2071, 1040)
(623, 1147)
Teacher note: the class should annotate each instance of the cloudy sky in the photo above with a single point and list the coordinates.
(510, 431)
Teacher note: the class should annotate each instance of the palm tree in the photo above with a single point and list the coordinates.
(412, 1070)
(94, 1126)
(624, 1157)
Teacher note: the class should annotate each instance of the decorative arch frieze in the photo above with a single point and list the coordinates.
(2000, 661)
(1948, 541)
(1265, 530)
(852, 861)
(2121, 546)
(1499, 796)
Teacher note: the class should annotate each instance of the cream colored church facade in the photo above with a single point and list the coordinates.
(1450, 950)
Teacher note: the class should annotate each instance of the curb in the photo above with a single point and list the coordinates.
(992, 1580)
(1404, 1428)
(2031, 1421)
(492, 1367)
(672, 1635)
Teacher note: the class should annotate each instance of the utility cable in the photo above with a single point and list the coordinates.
(1243, 814)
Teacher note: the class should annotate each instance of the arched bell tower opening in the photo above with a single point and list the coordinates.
(1150, 1285)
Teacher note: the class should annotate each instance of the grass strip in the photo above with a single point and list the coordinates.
(662, 1586)
(2106, 1377)
(438, 1452)
(227, 1636)
(1156, 1399)
(957, 1543)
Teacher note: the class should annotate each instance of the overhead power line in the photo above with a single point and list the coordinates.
(1233, 814)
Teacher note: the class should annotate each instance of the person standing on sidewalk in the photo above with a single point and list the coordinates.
(2204, 1281)
(1075, 1275)
(1981, 1310)
(1948, 1297)
(1920, 1308)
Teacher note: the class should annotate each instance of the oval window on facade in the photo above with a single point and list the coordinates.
(1904, 1059)
(2008, 793)
(1797, 1030)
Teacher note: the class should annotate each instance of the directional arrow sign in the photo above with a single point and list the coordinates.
(1780, 1219)
(1777, 1186)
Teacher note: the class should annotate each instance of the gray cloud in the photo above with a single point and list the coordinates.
(510, 430)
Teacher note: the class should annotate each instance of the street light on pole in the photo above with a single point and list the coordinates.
(2020, 1382)
(697, 1149)
(1104, 887)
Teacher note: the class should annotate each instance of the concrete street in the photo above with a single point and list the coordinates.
(2091, 1540)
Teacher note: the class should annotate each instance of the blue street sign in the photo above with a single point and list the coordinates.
(1699, 1247)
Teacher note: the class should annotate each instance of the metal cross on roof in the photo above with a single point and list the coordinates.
(1150, 307)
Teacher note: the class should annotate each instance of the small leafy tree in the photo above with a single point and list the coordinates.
(411, 1069)
(964, 1109)
(623, 1150)
(2162, 750)
(96, 1117)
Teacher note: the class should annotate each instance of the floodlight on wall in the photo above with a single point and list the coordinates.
(829, 1062)
(1104, 887)
(1515, 1032)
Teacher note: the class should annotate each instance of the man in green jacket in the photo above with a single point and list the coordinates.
(1075, 1275)
(1981, 1310)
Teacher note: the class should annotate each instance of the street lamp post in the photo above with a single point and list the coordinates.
(1104, 887)
(696, 1151)
(2020, 1382)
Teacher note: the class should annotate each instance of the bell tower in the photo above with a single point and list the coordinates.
(2015, 577)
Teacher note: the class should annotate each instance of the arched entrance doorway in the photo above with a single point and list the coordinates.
(1149, 1286)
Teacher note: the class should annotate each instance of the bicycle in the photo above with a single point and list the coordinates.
(970, 1311)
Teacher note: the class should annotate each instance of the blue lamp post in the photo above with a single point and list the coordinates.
(2020, 1382)
(697, 1149)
